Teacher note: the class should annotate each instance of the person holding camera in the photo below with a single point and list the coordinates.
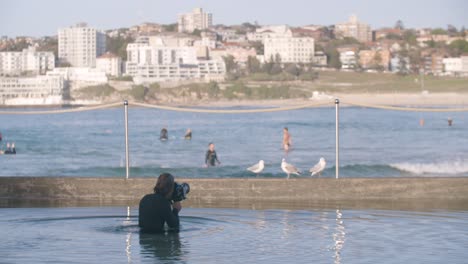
(157, 208)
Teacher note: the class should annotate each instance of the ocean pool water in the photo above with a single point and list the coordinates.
(216, 235)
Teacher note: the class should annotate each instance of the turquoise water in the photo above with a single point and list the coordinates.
(110, 235)
(373, 143)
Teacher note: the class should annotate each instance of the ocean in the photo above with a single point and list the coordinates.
(373, 143)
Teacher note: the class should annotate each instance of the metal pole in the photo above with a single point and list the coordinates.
(127, 160)
(337, 139)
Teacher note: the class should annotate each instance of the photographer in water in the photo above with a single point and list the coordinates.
(157, 208)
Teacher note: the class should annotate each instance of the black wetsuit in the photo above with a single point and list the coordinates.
(188, 135)
(154, 211)
(211, 158)
(163, 135)
(10, 151)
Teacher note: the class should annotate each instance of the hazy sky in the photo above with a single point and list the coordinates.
(44, 17)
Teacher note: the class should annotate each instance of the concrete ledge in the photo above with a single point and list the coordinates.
(242, 192)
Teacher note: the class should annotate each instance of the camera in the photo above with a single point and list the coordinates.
(180, 191)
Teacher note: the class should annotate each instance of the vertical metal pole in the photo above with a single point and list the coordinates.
(337, 139)
(127, 160)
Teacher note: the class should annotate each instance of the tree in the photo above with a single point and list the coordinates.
(118, 45)
(452, 30)
(333, 58)
(409, 36)
(399, 25)
(438, 31)
(458, 47)
(253, 65)
(170, 27)
(231, 65)
(258, 46)
(293, 70)
(196, 32)
(277, 58)
(213, 89)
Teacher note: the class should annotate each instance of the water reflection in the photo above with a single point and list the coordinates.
(339, 236)
(165, 247)
(128, 240)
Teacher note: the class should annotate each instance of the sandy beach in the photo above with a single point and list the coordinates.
(382, 99)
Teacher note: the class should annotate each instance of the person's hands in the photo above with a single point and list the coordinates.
(177, 205)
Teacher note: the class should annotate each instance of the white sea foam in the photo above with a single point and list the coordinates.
(447, 167)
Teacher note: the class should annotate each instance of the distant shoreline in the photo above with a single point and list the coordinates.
(386, 99)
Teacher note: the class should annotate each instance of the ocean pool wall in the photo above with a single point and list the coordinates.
(404, 193)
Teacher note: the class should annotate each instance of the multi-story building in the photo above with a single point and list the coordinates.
(109, 63)
(157, 62)
(374, 58)
(400, 64)
(263, 33)
(289, 49)
(195, 20)
(37, 90)
(27, 61)
(432, 63)
(354, 29)
(348, 59)
(320, 59)
(76, 78)
(80, 45)
(456, 66)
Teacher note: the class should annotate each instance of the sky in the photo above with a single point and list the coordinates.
(43, 17)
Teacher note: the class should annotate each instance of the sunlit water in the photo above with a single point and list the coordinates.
(109, 235)
(373, 143)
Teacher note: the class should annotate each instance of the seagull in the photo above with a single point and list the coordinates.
(318, 168)
(257, 168)
(289, 169)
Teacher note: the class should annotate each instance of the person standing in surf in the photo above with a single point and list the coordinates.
(286, 139)
(211, 158)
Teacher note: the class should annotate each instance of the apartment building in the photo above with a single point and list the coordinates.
(374, 58)
(109, 63)
(354, 29)
(158, 62)
(27, 61)
(197, 19)
(79, 45)
(266, 32)
(289, 49)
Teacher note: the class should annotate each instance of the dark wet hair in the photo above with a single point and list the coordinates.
(210, 143)
(165, 184)
(286, 128)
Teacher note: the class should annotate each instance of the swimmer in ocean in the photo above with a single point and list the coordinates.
(188, 134)
(163, 135)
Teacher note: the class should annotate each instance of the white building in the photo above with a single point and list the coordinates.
(456, 66)
(397, 63)
(38, 90)
(263, 33)
(195, 20)
(160, 63)
(452, 65)
(76, 78)
(354, 29)
(80, 45)
(27, 61)
(109, 63)
(289, 49)
(348, 59)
